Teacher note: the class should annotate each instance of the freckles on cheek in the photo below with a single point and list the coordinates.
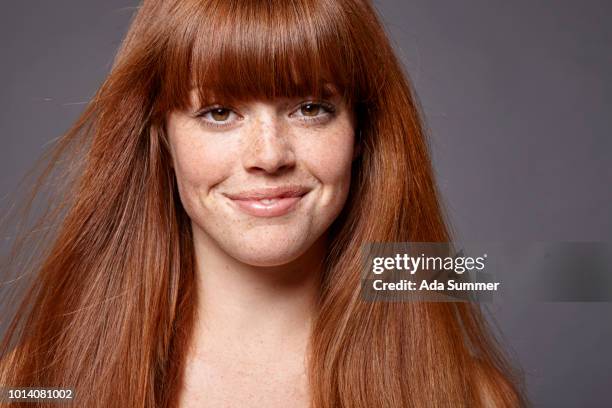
(330, 157)
(190, 172)
(200, 165)
(191, 181)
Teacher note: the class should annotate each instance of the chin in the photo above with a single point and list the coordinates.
(267, 246)
(268, 249)
(269, 256)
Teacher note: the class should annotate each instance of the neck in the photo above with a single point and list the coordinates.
(254, 308)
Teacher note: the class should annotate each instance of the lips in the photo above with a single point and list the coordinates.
(269, 202)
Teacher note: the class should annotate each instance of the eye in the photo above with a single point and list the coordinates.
(220, 114)
(310, 109)
(217, 116)
(314, 111)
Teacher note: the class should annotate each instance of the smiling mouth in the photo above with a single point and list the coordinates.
(269, 202)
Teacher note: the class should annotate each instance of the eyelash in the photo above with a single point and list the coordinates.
(329, 111)
(200, 115)
(328, 108)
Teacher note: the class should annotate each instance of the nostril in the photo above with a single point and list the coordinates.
(269, 159)
(271, 169)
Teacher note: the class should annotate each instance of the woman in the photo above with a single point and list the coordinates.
(236, 158)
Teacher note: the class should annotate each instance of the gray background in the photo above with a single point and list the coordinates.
(517, 97)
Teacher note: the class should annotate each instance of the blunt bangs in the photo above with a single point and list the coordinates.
(253, 49)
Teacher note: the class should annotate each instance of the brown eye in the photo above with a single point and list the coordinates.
(310, 109)
(220, 114)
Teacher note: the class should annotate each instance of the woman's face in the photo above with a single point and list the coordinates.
(263, 180)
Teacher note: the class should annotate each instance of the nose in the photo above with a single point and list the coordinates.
(268, 147)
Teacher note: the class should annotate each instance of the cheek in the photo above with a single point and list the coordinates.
(329, 157)
(330, 164)
(199, 162)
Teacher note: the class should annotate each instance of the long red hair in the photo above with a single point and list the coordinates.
(111, 306)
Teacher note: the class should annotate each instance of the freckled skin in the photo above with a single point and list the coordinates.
(266, 144)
